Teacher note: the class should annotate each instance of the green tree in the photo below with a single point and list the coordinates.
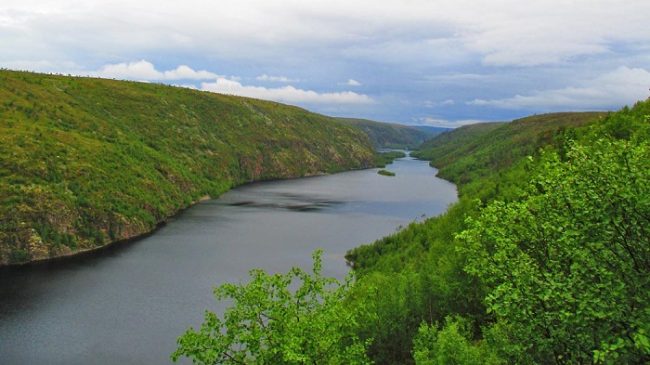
(446, 346)
(452, 345)
(568, 265)
(269, 323)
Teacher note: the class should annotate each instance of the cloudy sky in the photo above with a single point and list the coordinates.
(436, 62)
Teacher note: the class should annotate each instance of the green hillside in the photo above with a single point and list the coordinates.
(448, 144)
(545, 259)
(469, 152)
(389, 135)
(432, 130)
(85, 162)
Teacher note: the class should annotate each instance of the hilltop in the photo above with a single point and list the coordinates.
(464, 154)
(391, 135)
(85, 162)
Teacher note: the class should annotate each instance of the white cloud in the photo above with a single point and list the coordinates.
(144, 70)
(270, 78)
(507, 32)
(288, 94)
(140, 70)
(352, 82)
(183, 72)
(40, 66)
(434, 104)
(611, 90)
(458, 77)
(438, 122)
(554, 31)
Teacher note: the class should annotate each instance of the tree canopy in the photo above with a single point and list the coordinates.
(269, 323)
(568, 265)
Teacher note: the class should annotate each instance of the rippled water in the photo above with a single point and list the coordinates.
(128, 304)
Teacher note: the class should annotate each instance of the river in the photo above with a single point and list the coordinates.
(127, 304)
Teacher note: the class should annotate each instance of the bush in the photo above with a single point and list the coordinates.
(568, 265)
(269, 323)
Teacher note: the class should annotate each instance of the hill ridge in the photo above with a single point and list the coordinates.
(86, 161)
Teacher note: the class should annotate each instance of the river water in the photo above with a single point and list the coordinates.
(128, 304)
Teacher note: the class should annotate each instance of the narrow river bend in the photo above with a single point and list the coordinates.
(127, 304)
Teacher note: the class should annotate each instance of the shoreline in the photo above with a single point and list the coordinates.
(80, 254)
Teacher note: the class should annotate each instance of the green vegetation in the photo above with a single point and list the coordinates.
(449, 344)
(477, 151)
(386, 158)
(552, 265)
(85, 162)
(385, 172)
(545, 259)
(389, 135)
(269, 323)
(454, 142)
(575, 250)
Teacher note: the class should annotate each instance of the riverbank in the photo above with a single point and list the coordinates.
(80, 254)
(129, 302)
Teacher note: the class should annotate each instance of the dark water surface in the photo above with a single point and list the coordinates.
(129, 303)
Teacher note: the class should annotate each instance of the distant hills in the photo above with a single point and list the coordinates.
(391, 135)
(85, 162)
(470, 151)
(431, 130)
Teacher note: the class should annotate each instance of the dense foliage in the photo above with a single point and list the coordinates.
(85, 162)
(550, 268)
(270, 322)
(567, 266)
(450, 344)
(387, 135)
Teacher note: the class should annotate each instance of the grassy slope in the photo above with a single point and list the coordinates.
(447, 145)
(479, 150)
(388, 135)
(85, 162)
